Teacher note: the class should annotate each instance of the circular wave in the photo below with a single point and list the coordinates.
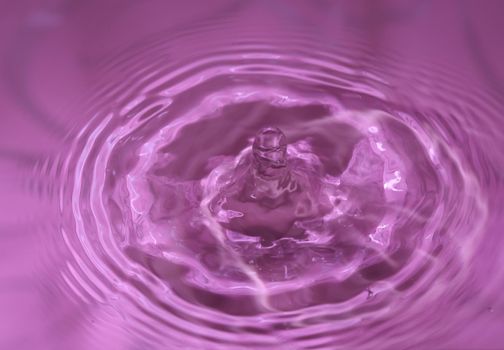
(405, 174)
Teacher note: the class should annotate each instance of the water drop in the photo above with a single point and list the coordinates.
(269, 151)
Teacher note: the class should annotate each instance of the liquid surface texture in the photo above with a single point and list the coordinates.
(252, 175)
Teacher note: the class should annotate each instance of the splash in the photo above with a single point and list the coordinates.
(227, 187)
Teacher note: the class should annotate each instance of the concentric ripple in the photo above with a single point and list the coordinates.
(404, 178)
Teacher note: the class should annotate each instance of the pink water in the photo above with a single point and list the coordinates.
(141, 206)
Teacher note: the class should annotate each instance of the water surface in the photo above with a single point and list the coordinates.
(138, 212)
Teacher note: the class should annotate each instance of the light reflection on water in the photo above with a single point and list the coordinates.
(122, 123)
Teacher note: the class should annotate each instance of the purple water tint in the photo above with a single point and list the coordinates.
(251, 175)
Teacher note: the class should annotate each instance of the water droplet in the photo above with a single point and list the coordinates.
(270, 150)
